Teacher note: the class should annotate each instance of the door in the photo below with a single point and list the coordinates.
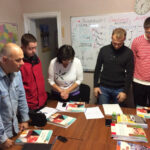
(46, 28)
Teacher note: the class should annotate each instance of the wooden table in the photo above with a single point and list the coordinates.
(85, 134)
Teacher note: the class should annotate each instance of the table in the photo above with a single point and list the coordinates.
(85, 134)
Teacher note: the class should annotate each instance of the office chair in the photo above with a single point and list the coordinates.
(84, 93)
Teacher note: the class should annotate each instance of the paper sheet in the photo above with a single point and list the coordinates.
(48, 111)
(93, 113)
(109, 109)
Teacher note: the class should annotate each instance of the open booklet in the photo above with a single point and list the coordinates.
(71, 107)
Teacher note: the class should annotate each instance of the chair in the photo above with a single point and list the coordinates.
(84, 93)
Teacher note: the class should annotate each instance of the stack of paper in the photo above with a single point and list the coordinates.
(128, 133)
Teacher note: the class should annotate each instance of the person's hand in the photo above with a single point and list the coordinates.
(121, 97)
(23, 126)
(7, 144)
(64, 94)
(97, 91)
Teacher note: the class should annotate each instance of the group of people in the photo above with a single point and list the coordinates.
(22, 83)
(22, 86)
(117, 66)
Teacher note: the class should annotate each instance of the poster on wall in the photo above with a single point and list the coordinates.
(8, 33)
(44, 32)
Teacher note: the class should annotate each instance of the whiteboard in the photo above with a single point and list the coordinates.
(90, 33)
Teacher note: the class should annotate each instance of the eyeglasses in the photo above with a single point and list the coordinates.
(67, 60)
(116, 44)
(147, 32)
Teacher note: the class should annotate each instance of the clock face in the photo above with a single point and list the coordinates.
(142, 6)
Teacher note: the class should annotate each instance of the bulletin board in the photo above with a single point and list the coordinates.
(90, 33)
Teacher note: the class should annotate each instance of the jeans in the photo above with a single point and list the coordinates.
(109, 95)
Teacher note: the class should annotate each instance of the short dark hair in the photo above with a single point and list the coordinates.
(65, 52)
(147, 23)
(27, 38)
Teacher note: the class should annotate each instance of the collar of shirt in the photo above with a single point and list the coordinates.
(3, 74)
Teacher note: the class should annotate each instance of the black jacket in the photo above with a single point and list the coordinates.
(114, 67)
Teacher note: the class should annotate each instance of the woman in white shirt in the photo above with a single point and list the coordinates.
(65, 75)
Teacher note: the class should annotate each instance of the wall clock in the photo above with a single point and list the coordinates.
(142, 6)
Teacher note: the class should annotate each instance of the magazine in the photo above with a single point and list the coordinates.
(132, 120)
(128, 133)
(143, 111)
(71, 107)
(60, 120)
(34, 136)
(75, 107)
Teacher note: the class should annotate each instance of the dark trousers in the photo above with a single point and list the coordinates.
(141, 94)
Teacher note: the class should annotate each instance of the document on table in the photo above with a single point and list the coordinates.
(93, 113)
(109, 109)
(60, 106)
(48, 111)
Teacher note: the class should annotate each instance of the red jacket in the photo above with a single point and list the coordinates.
(33, 82)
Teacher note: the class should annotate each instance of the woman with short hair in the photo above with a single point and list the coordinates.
(65, 75)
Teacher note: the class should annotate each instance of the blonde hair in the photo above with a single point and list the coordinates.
(119, 33)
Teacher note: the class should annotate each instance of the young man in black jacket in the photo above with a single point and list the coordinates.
(114, 68)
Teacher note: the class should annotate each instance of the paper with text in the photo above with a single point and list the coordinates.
(109, 109)
(93, 113)
(48, 111)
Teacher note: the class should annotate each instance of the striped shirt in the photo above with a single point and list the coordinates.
(141, 50)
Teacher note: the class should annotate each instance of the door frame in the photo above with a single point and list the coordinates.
(29, 17)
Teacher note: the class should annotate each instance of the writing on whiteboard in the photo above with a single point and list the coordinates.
(90, 33)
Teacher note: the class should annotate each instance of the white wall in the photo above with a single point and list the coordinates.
(70, 8)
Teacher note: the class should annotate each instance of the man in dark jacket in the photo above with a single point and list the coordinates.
(32, 75)
(114, 68)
